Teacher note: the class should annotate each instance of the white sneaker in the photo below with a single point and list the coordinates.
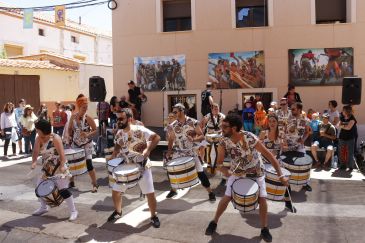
(40, 211)
(73, 216)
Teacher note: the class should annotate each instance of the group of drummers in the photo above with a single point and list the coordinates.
(253, 168)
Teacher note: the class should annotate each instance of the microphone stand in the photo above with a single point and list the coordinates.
(163, 105)
(220, 100)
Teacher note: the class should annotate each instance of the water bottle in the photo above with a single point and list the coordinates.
(334, 162)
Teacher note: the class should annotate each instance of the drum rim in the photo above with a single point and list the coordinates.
(122, 161)
(282, 168)
(136, 166)
(258, 188)
(172, 160)
(47, 180)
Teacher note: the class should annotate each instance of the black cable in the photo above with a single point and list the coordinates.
(74, 5)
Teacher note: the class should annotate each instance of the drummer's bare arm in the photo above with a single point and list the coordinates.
(115, 151)
(151, 145)
(275, 163)
(171, 138)
(35, 152)
(262, 135)
(59, 148)
(307, 132)
(220, 159)
(92, 124)
(70, 127)
(199, 134)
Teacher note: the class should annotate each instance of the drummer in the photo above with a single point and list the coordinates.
(81, 130)
(183, 134)
(270, 139)
(133, 142)
(50, 147)
(244, 148)
(211, 124)
(297, 131)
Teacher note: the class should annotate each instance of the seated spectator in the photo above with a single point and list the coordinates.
(103, 112)
(314, 124)
(327, 135)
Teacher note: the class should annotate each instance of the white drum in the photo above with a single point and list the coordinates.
(245, 194)
(76, 160)
(111, 164)
(274, 188)
(182, 172)
(127, 174)
(49, 192)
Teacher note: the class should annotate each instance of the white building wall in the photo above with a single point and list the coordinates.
(85, 46)
(104, 50)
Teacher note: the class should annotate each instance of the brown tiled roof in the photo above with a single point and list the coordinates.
(31, 64)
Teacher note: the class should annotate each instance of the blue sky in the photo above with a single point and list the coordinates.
(97, 16)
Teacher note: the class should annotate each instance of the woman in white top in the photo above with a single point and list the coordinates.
(8, 127)
(27, 122)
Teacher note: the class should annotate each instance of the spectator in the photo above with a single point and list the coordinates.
(123, 102)
(114, 108)
(260, 118)
(28, 127)
(59, 119)
(347, 136)
(334, 115)
(274, 105)
(327, 136)
(43, 113)
(68, 111)
(248, 115)
(271, 111)
(103, 112)
(292, 96)
(207, 100)
(8, 128)
(309, 113)
(18, 115)
(314, 125)
(135, 97)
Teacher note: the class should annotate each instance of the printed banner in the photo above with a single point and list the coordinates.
(28, 18)
(60, 16)
(237, 70)
(323, 66)
(160, 73)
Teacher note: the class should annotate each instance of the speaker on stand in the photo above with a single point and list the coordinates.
(351, 90)
(97, 93)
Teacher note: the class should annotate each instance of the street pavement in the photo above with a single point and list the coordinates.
(333, 212)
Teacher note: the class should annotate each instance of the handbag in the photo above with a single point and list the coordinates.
(25, 132)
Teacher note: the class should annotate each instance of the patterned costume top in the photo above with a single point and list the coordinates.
(133, 143)
(182, 130)
(246, 160)
(78, 127)
(283, 117)
(295, 130)
(50, 158)
(214, 123)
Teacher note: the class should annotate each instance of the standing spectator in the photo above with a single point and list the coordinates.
(18, 115)
(59, 119)
(28, 127)
(123, 102)
(292, 96)
(114, 108)
(334, 115)
(103, 111)
(43, 113)
(9, 127)
(207, 100)
(135, 97)
(68, 112)
(327, 135)
(347, 136)
(274, 105)
(260, 118)
(248, 115)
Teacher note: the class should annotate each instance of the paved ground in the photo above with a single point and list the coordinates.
(333, 212)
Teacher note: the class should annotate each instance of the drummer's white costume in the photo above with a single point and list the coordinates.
(133, 143)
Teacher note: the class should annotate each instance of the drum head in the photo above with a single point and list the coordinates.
(214, 135)
(115, 162)
(270, 169)
(180, 161)
(45, 188)
(125, 169)
(245, 186)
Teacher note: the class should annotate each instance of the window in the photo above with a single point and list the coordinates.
(331, 11)
(41, 32)
(176, 15)
(251, 13)
(13, 50)
(74, 39)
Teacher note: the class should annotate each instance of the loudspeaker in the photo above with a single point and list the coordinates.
(351, 90)
(97, 91)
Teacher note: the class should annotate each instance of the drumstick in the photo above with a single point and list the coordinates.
(287, 189)
(29, 173)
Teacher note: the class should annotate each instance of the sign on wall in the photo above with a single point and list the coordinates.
(160, 73)
(237, 70)
(322, 66)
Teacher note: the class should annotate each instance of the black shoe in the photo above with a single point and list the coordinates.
(171, 194)
(350, 170)
(223, 182)
(343, 167)
(212, 197)
(211, 228)
(71, 184)
(155, 222)
(308, 188)
(115, 215)
(290, 206)
(265, 235)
